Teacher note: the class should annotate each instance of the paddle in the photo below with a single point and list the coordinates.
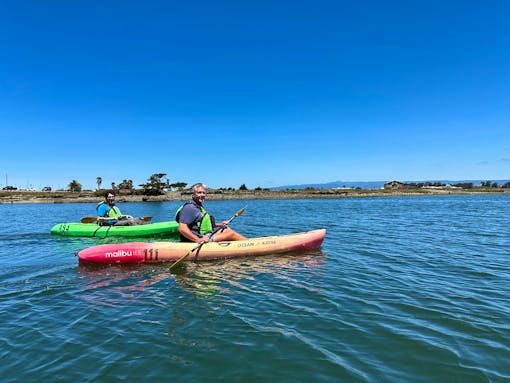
(94, 219)
(181, 260)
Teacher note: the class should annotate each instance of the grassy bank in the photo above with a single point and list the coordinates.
(90, 196)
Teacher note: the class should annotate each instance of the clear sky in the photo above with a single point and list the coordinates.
(265, 93)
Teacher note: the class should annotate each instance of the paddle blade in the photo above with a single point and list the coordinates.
(240, 212)
(146, 218)
(88, 219)
(181, 260)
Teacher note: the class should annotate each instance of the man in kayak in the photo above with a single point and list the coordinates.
(196, 224)
(109, 215)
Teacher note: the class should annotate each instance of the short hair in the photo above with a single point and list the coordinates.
(109, 192)
(196, 186)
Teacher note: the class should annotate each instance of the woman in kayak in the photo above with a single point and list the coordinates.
(109, 215)
(197, 225)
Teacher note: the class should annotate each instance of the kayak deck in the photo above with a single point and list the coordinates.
(77, 229)
(150, 252)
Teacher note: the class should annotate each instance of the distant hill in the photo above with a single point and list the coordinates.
(374, 184)
(335, 184)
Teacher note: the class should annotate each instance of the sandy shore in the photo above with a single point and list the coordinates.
(71, 197)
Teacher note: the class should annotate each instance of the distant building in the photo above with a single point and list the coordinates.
(394, 185)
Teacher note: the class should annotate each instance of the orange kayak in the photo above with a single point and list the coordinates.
(150, 252)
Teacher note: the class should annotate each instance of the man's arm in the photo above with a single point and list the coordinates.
(186, 232)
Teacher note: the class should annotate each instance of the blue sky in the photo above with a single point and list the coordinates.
(264, 93)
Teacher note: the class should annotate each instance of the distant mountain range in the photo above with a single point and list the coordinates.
(374, 184)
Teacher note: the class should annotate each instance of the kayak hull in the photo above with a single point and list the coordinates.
(151, 252)
(77, 229)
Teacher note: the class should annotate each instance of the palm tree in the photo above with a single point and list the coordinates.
(99, 181)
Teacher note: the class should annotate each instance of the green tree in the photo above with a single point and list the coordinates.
(178, 185)
(464, 185)
(126, 185)
(99, 181)
(74, 186)
(243, 187)
(155, 185)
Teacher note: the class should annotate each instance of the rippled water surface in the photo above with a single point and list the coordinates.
(407, 289)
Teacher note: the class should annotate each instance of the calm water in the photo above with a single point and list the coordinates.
(409, 289)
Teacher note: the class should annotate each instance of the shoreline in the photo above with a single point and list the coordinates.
(11, 197)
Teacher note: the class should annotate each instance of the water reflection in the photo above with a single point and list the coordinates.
(109, 284)
(217, 277)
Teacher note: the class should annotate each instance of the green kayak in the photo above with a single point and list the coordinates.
(76, 229)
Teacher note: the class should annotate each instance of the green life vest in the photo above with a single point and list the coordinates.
(113, 212)
(204, 225)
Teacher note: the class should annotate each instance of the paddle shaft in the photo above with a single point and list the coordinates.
(181, 260)
(94, 219)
